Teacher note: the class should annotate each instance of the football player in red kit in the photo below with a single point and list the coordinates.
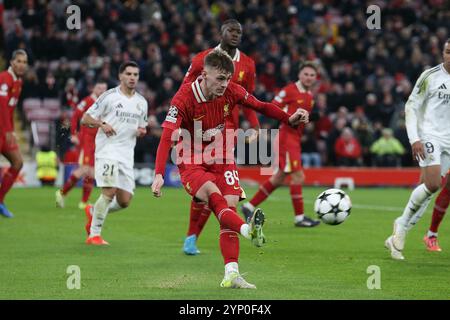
(440, 206)
(244, 74)
(289, 162)
(85, 139)
(198, 116)
(10, 88)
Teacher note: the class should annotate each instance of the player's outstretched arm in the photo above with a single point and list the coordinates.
(273, 111)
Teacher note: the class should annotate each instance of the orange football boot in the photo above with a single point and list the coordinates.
(431, 243)
(97, 241)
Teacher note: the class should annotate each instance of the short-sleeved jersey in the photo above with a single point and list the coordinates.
(10, 89)
(80, 109)
(428, 107)
(244, 74)
(125, 115)
(290, 98)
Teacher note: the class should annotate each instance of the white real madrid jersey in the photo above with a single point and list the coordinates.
(428, 107)
(125, 115)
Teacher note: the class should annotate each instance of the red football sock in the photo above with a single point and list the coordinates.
(228, 218)
(440, 206)
(88, 185)
(229, 245)
(70, 183)
(7, 181)
(204, 216)
(297, 198)
(196, 210)
(264, 191)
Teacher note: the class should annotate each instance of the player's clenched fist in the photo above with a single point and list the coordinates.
(157, 184)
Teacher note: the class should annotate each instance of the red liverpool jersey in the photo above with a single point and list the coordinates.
(189, 108)
(81, 108)
(290, 98)
(244, 75)
(10, 89)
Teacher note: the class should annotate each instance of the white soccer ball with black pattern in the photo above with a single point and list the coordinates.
(333, 206)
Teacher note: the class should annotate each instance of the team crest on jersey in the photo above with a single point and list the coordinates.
(172, 114)
(226, 110)
(300, 101)
(241, 76)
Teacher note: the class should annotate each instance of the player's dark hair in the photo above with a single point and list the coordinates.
(126, 64)
(220, 60)
(228, 22)
(308, 64)
(17, 53)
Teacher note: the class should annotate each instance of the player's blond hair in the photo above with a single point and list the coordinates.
(220, 60)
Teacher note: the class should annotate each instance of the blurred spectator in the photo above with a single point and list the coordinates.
(348, 149)
(363, 70)
(387, 150)
(364, 135)
(310, 153)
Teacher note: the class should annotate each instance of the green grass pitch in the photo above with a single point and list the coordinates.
(145, 259)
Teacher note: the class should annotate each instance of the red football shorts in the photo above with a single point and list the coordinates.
(225, 176)
(287, 150)
(87, 153)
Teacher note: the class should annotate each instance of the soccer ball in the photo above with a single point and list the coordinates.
(333, 206)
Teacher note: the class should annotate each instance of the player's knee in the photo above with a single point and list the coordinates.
(297, 178)
(432, 186)
(124, 203)
(18, 165)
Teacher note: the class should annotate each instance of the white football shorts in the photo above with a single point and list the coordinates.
(436, 154)
(112, 173)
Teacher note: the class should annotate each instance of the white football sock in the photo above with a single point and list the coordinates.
(418, 197)
(245, 231)
(114, 206)
(416, 217)
(231, 267)
(431, 234)
(299, 217)
(99, 215)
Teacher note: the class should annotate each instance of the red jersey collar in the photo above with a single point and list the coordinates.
(199, 96)
(10, 70)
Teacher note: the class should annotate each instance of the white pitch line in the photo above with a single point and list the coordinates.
(354, 205)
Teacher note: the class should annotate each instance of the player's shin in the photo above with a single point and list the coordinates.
(441, 204)
(418, 197)
(195, 213)
(416, 217)
(263, 192)
(88, 185)
(99, 215)
(204, 216)
(7, 181)
(228, 218)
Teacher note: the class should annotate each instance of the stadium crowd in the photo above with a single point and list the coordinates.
(366, 74)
